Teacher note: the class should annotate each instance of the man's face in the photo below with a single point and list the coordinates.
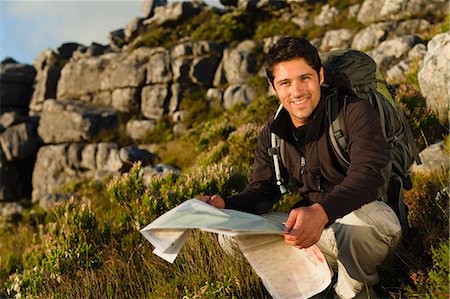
(297, 85)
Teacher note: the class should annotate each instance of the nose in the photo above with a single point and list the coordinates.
(297, 88)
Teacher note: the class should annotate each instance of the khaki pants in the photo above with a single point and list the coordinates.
(354, 246)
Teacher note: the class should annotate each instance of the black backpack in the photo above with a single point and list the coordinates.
(356, 74)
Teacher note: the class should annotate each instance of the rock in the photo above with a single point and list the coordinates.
(117, 39)
(50, 171)
(148, 6)
(237, 94)
(10, 211)
(88, 157)
(159, 69)
(219, 76)
(391, 51)
(10, 185)
(133, 28)
(326, 16)
(73, 121)
(108, 158)
(177, 92)
(416, 26)
(12, 118)
(125, 100)
(353, 11)
(397, 74)
(66, 50)
(182, 50)
(371, 36)
(132, 154)
(18, 141)
(433, 158)
(181, 68)
(155, 101)
(434, 76)
(174, 12)
(336, 39)
(214, 95)
(139, 129)
(239, 64)
(203, 70)
(16, 82)
(48, 68)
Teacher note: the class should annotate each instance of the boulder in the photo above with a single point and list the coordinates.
(148, 6)
(73, 121)
(48, 68)
(238, 94)
(117, 39)
(433, 158)
(392, 51)
(125, 100)
(66, 50)
(336, 39)
(16, 82)
(239, 64)
(159, 70)
(326, 15)
(434, 76)
(203, 70)
(108, 158)
(181, 68)
(12, 118)
(154, 101)
(174, 12)
(371, 36)
(177, 92)
(138, 129)
(19, 141)
(132, 29)
(132, 154)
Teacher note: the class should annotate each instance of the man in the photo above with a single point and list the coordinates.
(339, 210)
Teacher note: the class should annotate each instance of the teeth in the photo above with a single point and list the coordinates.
(300, 101)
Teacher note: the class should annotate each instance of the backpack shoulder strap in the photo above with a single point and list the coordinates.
(277, 152)
(337, 130)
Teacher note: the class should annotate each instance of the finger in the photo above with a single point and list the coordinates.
(291, 220)
(205, 198)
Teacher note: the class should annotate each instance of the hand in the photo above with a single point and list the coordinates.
(215, 200)
(305, 225)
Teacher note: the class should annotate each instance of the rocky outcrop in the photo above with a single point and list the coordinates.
(434, 157)
(434, 76)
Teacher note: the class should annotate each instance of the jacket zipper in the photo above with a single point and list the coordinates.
(302, 164)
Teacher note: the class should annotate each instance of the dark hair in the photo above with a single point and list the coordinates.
(288, 48)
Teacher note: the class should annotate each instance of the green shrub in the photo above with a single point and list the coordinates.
(422, 120)
(197, 109)
(275, 27)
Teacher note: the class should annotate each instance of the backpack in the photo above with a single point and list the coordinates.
(356, 74)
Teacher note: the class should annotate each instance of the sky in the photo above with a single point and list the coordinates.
(28, 27)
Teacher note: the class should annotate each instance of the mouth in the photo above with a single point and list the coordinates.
(300, 101)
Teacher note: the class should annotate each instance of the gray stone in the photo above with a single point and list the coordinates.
(219, 76)
(12, 118)
(10, 211)
(154, 101)
(66, 50)
(132, 29)
(108, 158)
(238, 94)
(182, 50)
(177, 93)
(238, 65)
(148, 6)
(336, 39)
(133, 154)
(159, 68)
(434, 76)
(326, 16)
(207, 48)
(139, 129)
(174, 12)
(125, 100)
(73, 121)
(50, 171)
(117, 39)
(203, 70)
(433, 158)
(88, 156)
(392, 51)
(16, 82)
(181, 68)
(371, 36)
(18, 141)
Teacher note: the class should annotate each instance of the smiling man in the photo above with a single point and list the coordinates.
(338, 209)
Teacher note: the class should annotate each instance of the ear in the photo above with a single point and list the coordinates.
(272, 86)
(321, 76)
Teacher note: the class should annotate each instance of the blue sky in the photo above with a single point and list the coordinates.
(27, 27)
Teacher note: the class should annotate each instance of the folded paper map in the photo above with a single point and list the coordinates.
(287, 272)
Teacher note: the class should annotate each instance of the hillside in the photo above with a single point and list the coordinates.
(97, 141)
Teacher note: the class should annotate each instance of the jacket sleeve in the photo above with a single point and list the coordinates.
(368, 174)
(262, 192)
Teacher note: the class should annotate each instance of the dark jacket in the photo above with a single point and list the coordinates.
(321, 179)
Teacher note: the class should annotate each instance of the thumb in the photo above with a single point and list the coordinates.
(291, 219)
